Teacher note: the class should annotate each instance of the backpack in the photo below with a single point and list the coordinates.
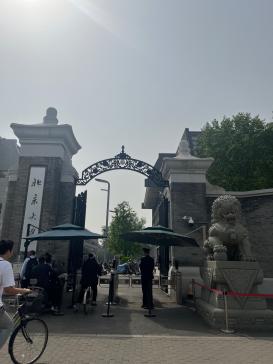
(30, 264)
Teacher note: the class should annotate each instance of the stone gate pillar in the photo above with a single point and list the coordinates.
(187, 202)
(187, 195)
(42, 191)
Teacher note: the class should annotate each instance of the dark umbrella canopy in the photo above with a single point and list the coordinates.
(159, 235)
(65, 232)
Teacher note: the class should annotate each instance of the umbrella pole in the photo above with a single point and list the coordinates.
(73, 287)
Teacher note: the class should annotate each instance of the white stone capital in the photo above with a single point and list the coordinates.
(46, 140)
(185, 170)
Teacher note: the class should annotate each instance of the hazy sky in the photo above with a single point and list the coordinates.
(133, 72)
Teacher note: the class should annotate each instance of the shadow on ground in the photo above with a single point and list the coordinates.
(171, 319)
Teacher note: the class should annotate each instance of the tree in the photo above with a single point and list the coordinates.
(124, 220)
(242, 149)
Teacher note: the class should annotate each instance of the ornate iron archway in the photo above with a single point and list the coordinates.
(123, 161)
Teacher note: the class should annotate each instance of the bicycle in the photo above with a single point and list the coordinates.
(30, 335)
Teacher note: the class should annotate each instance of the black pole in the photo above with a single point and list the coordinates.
(110, 297)
(73, 286)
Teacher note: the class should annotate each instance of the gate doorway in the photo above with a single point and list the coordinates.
(123, 161)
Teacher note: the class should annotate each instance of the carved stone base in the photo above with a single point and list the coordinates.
(243, 312)
(237, 319)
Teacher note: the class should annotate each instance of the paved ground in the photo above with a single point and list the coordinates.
(175, 335)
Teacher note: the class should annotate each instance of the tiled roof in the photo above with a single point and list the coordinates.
(191, 137)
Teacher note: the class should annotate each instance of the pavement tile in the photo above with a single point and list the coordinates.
(176, 335)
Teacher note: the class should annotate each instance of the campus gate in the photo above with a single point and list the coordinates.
(124, 161)
(41, 190)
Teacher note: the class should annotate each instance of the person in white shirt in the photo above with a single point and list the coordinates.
(7, 285)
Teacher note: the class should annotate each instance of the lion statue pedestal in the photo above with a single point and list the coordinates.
(243, 312)
(230, 267)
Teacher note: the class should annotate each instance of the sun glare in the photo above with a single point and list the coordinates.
(95, 13)
(33, 2)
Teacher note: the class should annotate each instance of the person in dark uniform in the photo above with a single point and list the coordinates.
(57, 286)
(146, 267)
(91, 270)
(42, 272)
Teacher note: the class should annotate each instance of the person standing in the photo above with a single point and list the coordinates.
(91, 270)
(146, 267)
(56, 287)
(26, 269)
(7, 285)
(42, 272)
(48, 259)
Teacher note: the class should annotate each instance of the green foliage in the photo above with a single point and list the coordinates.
(124, 220)
(242, 149)
(124, 258)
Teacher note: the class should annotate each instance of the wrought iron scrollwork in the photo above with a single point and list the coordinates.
(122, 155)
(122, 161)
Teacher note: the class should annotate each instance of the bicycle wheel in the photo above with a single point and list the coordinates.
(86, 300)
(28, 341)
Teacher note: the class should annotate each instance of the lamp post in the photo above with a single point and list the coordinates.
(108, 199)
(113, 281)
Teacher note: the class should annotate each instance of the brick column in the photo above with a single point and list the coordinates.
(51, 146)
(187, 195)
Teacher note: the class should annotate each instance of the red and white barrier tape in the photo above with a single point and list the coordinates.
(232, 293)
(217, 291)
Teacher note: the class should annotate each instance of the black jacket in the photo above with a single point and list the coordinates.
(90, 272)
(146, 267)
(43, 274)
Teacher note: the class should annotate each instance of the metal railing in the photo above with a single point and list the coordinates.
(129, 280)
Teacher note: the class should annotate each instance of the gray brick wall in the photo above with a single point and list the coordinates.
(12, 219)
(3, 195)
(66, 202)
(65, 215)
(188, 199)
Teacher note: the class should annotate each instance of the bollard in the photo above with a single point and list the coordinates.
(193, 293)
(114, 286)
(226, 330)
(179, 296)
(110, 297)
(74, 284)
(73, 288)
(111, 289)
(115, 299)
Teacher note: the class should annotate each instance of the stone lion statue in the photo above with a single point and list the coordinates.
(228, 238)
